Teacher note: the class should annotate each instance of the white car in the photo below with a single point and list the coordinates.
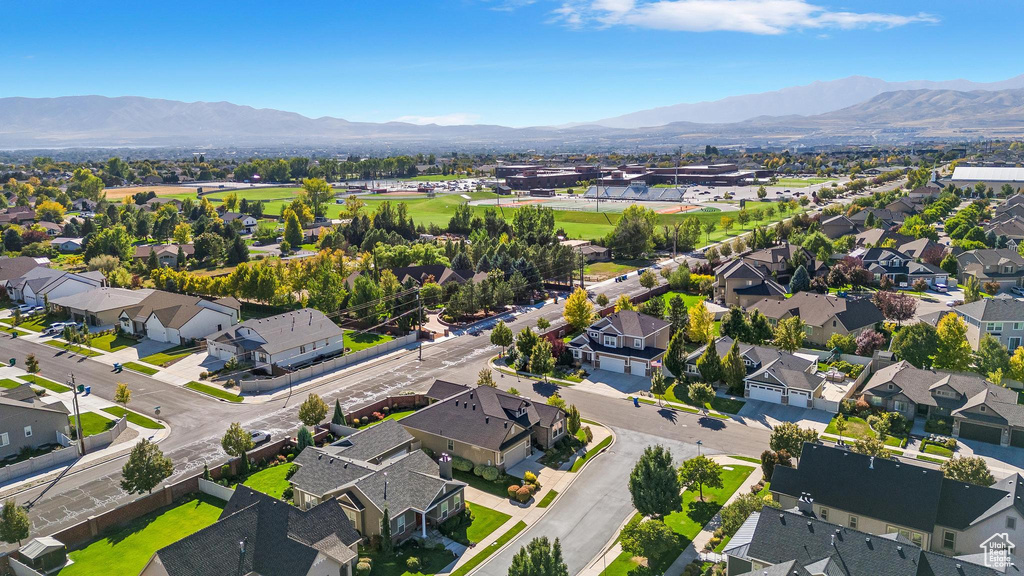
(25, 308)
(260, 436)
(1017, 290)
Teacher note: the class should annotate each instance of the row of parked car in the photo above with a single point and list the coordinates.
(58, 327)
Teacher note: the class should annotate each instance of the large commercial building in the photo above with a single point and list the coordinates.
(994, 176)
(537, 177)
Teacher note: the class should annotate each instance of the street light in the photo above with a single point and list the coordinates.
(699, 444)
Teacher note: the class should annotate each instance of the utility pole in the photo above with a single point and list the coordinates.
(78, 414)
(419, 304)
(582, 265)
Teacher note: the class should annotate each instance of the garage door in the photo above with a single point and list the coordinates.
(765, 393)
(613, 364)
(1017, 438)
(972, 431)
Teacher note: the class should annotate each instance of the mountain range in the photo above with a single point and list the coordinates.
(852, 110)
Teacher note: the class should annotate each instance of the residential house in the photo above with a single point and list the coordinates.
(1002, 265)
(1009, 225)
(921, 247)
(839, 226)
(627, 342)
(979, 410)
(39, 285)
(12, 268)
(777, 261)
(931, 190)
(52, 230)
(99, 306)
(824, 315)
(259, 535)
(902, 269)
(154, 204)
(883, 218)
(17, 215)
(247, 222)
(878, 236)
(1001, 316)
(26, 422)
(738, 283)
(83, 205)
(797, 543)
(485, 425)
(285, 340)
(166, 254)
(754, 357)
(881, 496)
(436, 273)
(65, 244)
(178, 318)
(906, 206)
(378, 468)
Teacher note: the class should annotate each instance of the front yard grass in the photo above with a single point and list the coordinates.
(134, 418)
(496, 488)
(590, 454)
(271, 480)
(213, 391)
(168, 357)
(858, 428)
(719, 404)
(44, 383)
(136, 367)
(929, 459)
(8, 383)
(72, 348)
(356, 342)
(475, 561)
(36, 323)
(431, 561)
(547, 499)
(930, 448)
(396, 415)
(13, 331)
(128, 550)
(92, 423)
(612, 268)
(485, 521)
(111, 342)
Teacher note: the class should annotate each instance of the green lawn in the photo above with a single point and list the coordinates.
(112, 342)
(36, 323)
(858, 428)
(8, 383)
(614, 267)
(485, 521)
(547, 499)
(929, 459)
(480, 557)
(590, 454)
(431, 561)
(128, 550)
(72, 348)
(748, 459)
(356, 342)
(135, 366)
(44, 383)
(690, 300)
(134, 418)
(495, 488)
(929, 448)
(271, 480)
(719, 404)
(265, 193)
(9, 330)
(801, 182)
(396, 415)
(92, 423)
(170, 356)
(213, 391)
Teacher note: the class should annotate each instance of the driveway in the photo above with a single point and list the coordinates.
(613, 384)
(767, 415)
(586, 517)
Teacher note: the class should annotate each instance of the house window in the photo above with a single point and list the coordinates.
(638, 343)
(853, 522)
(901, 406)
(458, 501)
(401, 524)
(609, 341)
(576, 353)
(824, 514)
(451, 445)
(28, 431)
(1011, 523)
(1018, 325)
(444, 509)
(994, 327)
(1014, 342)
(4, 439)
(302, 349)
(948, 540)
(594, 335)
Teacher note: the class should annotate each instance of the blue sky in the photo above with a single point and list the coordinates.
(512, 62)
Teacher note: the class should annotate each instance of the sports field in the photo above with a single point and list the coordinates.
(163, 191)
(801, 182)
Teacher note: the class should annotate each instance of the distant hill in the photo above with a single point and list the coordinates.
(810, 99)
(100, 122)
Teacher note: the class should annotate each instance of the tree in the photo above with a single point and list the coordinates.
(953, 351)
(868, 341)
(790, 437)
(789, 334)
(654, 483)
(31, 364)
(182, 233)
(846, 343)
(541, 361)
(484, 378)
(736, 512)
(122, 395)
(970, 469)
(841, 426)
(208, 247)
(578, 310)
(701, 394)
(146, 467)
(292, 229)
(871, 446)
(895, 306)
(733, 369)
(972, 290)
(647, 538)
(648, 280)
(386, 545)
(678, 317)
(502, 336)
(760, 329)
(317, 193)
(573, 419)
(659, 386)
(1017, 364)
(916, 344)
(801, 281)
(313, 410)
(14, 523)
(710, 364)
(634, 232)
(701, 324)
(236, 441)
(339, 417)
(602, 300)
(623, 302)
(950, 265)
(700, 472)
(304, 438)
(539, 558)
(991, 356)
(734, 325)
(675, 356)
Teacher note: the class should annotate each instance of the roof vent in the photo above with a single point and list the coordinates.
(470, 395)
(474, 407)
(319, 456)
(899, 548)
(456, 403)
(332, 461)
(487, 419)
(867, 539)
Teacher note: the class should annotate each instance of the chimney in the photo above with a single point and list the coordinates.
(444, 465)
(805, 504)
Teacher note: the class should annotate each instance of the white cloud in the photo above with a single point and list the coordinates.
(453, 119)
(748, 16)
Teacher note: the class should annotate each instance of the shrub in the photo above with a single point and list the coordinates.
(291, 457)
(512, 490)
(950, 443)
(413, 564)
(225, 471)
(367, 559)
(530, 477)
(385, 410)
(523, 494)
(364, 420)
(846, 407)
(862, 406)
(378, 416)
(588, 434)
(532, 488)
(478, 470)
(489, 473)
(461, 464)
(288, 494)
(363, 569)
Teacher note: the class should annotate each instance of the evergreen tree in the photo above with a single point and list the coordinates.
(654, 484)
(539, 558)
(710, 364)
(733, 369)
(760, 330)
(801, 281)
(677, 315)
(151, 261)
(735, 324)
(386, 545)
(675, 356)
(339, 416)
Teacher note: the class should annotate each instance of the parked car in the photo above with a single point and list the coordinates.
(260, 436)
(57, 327)
(37, 310)
(25, 308)
(941, 288)
(1017, 290)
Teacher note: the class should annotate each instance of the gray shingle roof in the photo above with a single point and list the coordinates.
(103, 299)
(372, 442)
(632, 323)
(283, 331)
(816, 309)
(1001, 308)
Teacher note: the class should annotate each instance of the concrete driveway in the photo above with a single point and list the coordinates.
(612, 383)
(587, 516)
(768, 415)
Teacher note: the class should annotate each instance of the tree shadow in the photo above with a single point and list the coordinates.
(711, 423)
(668, 414)
(702, 512)
(545, 388)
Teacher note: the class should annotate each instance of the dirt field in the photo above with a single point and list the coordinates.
(118, 193)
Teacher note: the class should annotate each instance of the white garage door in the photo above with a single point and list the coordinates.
(765, 393)
(613, 364)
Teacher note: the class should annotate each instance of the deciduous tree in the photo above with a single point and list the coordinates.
(789, 334)
(701, 324)
(790, 437)
(313, 410)
(953, 351)
(146, 467)
(648, 538)
(578, 310)
(122, 395)
(970, 469)
(700, 472)
(14, 523)
(236, 441)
